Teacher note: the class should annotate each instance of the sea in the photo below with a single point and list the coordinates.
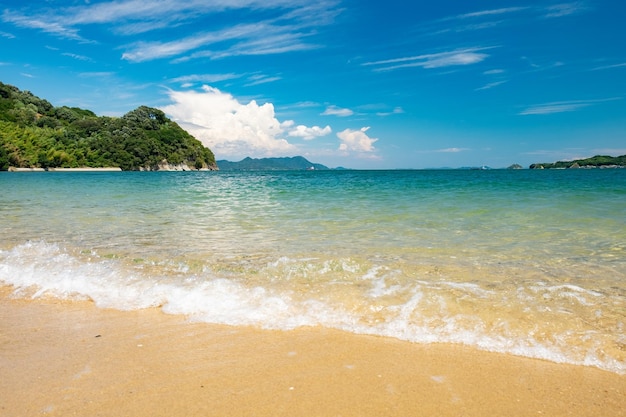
(522, 262)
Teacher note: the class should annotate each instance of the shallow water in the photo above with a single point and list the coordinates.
(525, 262)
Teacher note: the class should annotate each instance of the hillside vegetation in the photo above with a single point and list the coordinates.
(35, 134)
(598, 161)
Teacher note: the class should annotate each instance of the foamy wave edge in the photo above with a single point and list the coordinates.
(35, 269)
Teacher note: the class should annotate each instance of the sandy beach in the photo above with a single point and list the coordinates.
(63, 358)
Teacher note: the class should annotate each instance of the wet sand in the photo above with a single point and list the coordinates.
(73, 359)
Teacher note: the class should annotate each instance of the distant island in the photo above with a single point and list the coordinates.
(295, 163)
(36, 135)
(598, 161)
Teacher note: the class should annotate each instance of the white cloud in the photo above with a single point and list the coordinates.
(356, 140)
(465, 56)
(337, 111)
(494, 71)
(556, 107)
(261, 79)
(226, 126)
(43, 24)
(491, 12)
(623, 64)
(396, 110)
(292, 23)
(308, 133)
(562, 106)
(96, 74)
(78, 57)
(490, 85)
(565, 9)
(452, 150)
(205, 78)
(258, 38)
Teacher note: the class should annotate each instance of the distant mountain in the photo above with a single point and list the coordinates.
(295, 163)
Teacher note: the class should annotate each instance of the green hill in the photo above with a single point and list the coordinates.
(35, 134)
(598, 161)
(297, 163)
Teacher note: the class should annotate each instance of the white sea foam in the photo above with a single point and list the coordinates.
(422, 312)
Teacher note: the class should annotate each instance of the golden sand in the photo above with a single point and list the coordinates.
(73, 359)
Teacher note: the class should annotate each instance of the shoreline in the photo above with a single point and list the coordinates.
(70, 357)
(84, 169)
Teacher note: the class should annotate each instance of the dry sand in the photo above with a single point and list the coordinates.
(73, 359)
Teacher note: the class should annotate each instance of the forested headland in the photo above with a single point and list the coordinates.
(36, 134)
(598, 161)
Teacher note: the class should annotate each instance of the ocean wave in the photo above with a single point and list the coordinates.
(559, 322)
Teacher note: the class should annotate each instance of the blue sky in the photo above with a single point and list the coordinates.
(360, 84)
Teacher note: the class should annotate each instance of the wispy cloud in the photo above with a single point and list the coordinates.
(451, 150)
(337, 111)
(98, 74)
(205, 78)
(147, 51)
(490, 85)
(261, 79)
(396, 110)
(7, 35)
(565, 9)
(291, 23)
(466, 56)
(490, 12)
(605, 67)
(494, 72)
(563, 106)
(473, 21)
(78, 57)
(279, 43)
(500, 17)
(50, 26)
(260, 38)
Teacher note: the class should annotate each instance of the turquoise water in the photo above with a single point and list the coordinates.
(531, 263)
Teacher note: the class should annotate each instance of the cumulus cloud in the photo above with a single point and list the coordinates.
(232, 129)
(308, 133)
(356, 140)
(226, 125)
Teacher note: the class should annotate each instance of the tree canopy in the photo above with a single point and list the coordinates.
(594, 161)
(35, 134)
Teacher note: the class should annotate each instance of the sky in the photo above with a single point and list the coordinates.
(354, 83)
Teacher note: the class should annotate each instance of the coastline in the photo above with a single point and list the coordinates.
(85, 169)
(69, 357)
